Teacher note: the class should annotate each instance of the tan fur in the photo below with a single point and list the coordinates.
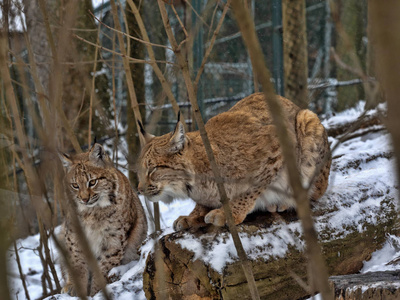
(110, 213)
(249, 156)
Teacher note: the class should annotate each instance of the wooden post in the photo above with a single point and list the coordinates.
(295, 51)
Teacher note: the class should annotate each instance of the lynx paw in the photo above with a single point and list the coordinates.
(277, 208)
(69, 289)
(215, 217)
(185, 222)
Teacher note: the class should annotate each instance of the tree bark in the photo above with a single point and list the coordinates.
(351, 18)
(137, 71)
(295, 51)
(38, 39)
(368, 286)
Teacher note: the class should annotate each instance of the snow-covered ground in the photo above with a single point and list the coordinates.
(363, 175)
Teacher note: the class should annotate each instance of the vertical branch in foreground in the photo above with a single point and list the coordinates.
(384, 29)
(183, 64)
(319, 274)
(4, 226)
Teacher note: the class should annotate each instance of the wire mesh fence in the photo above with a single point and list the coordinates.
(228, 74)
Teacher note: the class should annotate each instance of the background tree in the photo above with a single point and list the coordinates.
(295, 51)
(352, 17)
(137, 71)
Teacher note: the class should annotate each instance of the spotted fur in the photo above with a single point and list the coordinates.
(110, 213)
(247, 151)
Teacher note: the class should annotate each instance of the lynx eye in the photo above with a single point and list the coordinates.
(75, 185)
(92, 182)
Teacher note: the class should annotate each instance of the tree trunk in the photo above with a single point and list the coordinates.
(351, 18)
(38, 39)
(295, 51)
(137, 70)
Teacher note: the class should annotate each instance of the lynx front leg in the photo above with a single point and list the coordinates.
(240, 208)
(194, 219)
(82, 275)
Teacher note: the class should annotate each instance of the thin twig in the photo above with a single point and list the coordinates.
(21, 273)
(180, 21)
(124, 56)
(196, 13)
(211, 44)
(127, 35)
(164, 83)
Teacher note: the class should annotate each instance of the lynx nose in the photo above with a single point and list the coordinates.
(140, 188)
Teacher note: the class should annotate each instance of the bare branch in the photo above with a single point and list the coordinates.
(219, 181)
(313, 250)
(211, 44)
(127, 35)
(164, 83)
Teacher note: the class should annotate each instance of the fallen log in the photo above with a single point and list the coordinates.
(186, 276)
(371, 286)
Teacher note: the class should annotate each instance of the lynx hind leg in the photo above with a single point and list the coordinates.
(314, 152)
(194, 219)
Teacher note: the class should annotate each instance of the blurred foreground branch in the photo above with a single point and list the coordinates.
(219, 181)
(318, 274)
(384, 27)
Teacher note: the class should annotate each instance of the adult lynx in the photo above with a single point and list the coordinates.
(249, 156)
(110, 214)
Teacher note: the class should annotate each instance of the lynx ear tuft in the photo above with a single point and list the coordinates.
(65, 160)
(98, 156)
(144, 137)
(178, 139)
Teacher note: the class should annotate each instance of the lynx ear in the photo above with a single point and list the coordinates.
(65, 160)
(98, 156)
(144, 137)
(178, 139)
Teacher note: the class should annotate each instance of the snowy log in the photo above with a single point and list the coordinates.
(352, 219)
(188, 274)
(372, 285)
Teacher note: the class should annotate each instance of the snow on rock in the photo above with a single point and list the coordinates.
(362, 183)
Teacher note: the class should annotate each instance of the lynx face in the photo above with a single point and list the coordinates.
(163, 174)
(90, 182)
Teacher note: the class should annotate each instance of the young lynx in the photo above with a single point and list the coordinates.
(249, 156)
(110, 214)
